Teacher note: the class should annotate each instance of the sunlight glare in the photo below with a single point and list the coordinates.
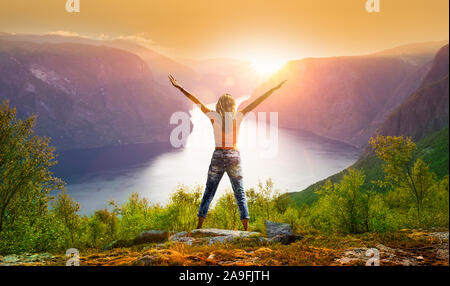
(267, 67)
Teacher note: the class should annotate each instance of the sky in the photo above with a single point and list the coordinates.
(243, 29)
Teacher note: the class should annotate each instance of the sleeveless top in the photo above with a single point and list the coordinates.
(226, 130)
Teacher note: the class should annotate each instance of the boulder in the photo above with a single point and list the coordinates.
(10, 259)
(275, 228)
(286, 239)
(281, 232)
(152, 236)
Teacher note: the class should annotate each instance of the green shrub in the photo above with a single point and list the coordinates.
(26, 184)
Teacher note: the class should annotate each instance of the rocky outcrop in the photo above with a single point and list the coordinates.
(276, 232)
(381, 255)
(196, 236)
(281, 232)
(213, 235)
(25, 259)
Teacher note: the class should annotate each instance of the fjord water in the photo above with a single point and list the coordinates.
(154, 170)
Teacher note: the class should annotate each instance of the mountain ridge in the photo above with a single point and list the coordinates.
(424, 116)
(207, 82)
(425, 111)
(353, 90)
(86, 96)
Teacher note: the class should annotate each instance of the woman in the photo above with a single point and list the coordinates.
(226, 157)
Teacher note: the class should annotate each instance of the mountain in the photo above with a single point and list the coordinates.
(207, 79)
(424, 116)
(343, 98)
(415, 53)
(160, 65)
(86, 96)
(426, 111)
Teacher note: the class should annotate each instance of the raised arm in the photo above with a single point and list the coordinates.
(260, 99)
(189, 95)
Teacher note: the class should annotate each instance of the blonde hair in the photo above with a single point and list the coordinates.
(225, 104)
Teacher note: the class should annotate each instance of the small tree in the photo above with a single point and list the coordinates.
(264, 201)
(414, 179)
(184, 204)
(135, 217)
(25, 177)
(343, 206)
(65, 210)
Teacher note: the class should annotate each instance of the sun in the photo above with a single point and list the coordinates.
(266, 67)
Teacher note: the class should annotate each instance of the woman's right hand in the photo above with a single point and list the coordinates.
(174, 82)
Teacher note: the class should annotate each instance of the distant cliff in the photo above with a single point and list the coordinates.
(424, 116)
(425, 111)
(346, 98)
(86, 96)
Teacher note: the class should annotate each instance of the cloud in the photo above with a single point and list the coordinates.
(66, 34)
(140, 38)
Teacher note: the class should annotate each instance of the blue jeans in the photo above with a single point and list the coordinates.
(225, 161)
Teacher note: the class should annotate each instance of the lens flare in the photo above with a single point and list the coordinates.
(267, 67)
